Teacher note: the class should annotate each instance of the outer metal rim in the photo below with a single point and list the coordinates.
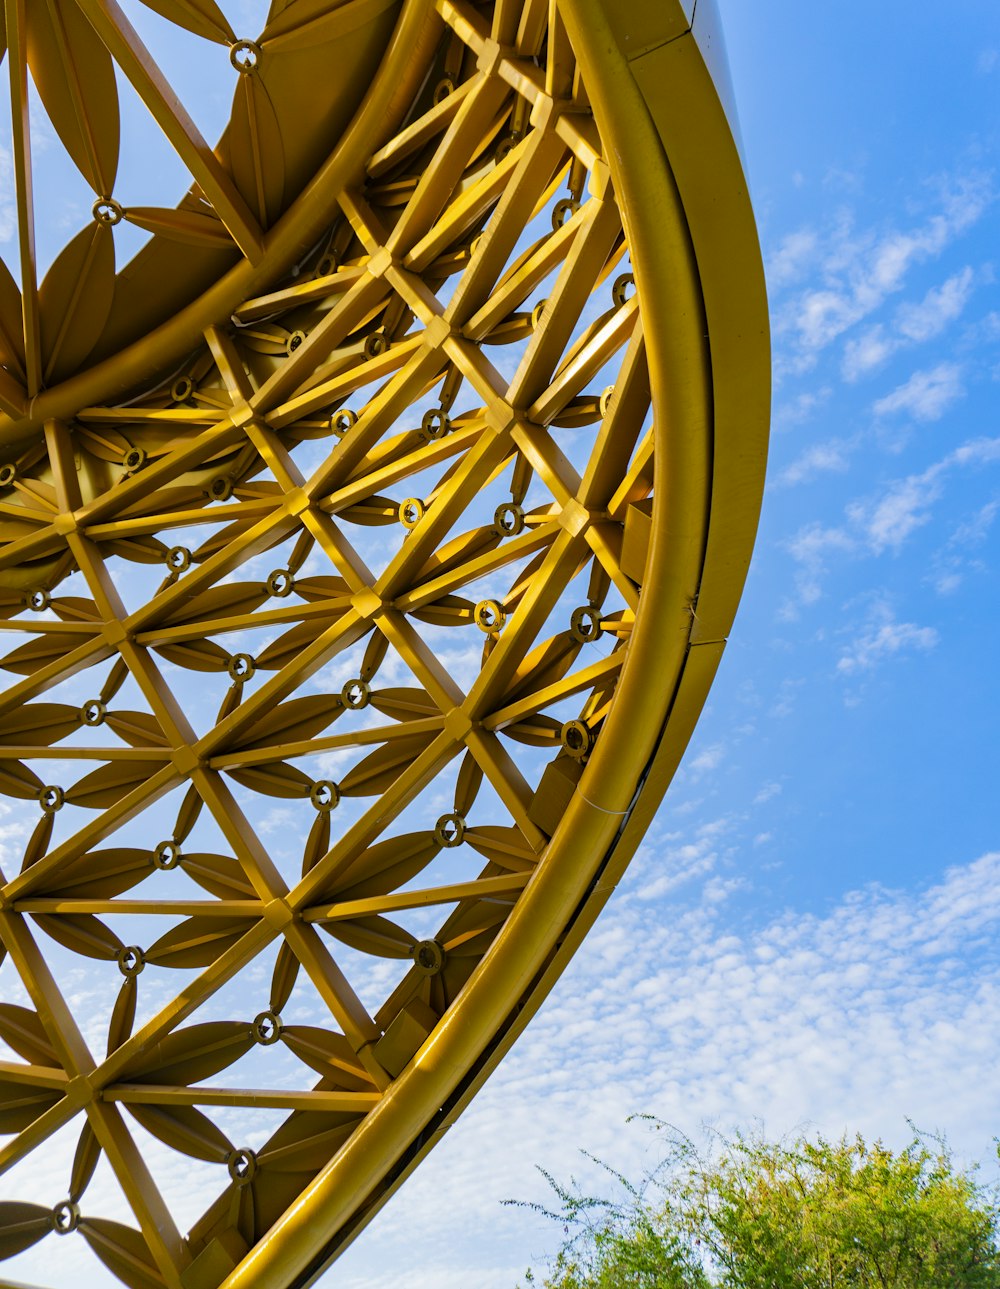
(690, 226)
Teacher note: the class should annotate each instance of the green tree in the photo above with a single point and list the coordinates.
(754, 1214)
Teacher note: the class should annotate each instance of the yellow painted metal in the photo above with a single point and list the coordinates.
(488, 365)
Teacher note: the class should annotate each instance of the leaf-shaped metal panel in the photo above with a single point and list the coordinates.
(18, 780)
(193, 227)
(374, 935)
(82, 933)
(99, 874)
(21, 1226)
(196, 655)
(75, 79)
(386, 866)
(184, 1128)
(329, 1054)
(459, 551)
(221, 875)
(404, 704)
(22, 1105)
(88, 1152)
(284, 976)
(75, 298)
(38, 653)
(11, 329)
(123, 1014)
(232, 599)
(504, 846)
(123, 1251)
(256, 148)
(203, 17)
(108, 783)
(292, 643)
(137, 728)
(191, 1054)
(381, 768)
(39, 723)
(24, 1032)
(547, 663)
(277, 779)
(305, 1142)
(197, 941)
(291, 722)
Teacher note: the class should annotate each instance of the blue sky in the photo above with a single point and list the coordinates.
(808, 935)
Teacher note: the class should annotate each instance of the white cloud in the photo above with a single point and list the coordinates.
(821, 458)
(904, 507)
(926, 396)
(888, 521)
(914, 322)
(862, 269)
(810, 548)
(710, 759)
(792, 257)
(882, 637)
(941, 305)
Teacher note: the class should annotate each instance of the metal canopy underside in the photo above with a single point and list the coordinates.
(368, 545)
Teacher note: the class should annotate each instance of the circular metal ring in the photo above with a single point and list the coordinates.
(107, 211)
(356, 694)
(585, 624)
(577, 738)
(51, 798)
(508, 519)
(266, 1028)
(563, 211)
(324, 795)
(131, 960)
(167, 855)
(39, 600)
(341, 422)
(294, 341)
(245, 56)
(620, 288)
(134, 459)
(177, 559)
(489, 616)
(435, 423)
(65, 1217)
(241, 666)
(449, 831)
(242, 1165)
(411, 511)
(375, 344)
(182, 389)
(93, 712)
(280, 583)
(428, 957)
(221, 488)
(8, 473)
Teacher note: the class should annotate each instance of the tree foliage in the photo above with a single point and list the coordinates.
(756, 1214)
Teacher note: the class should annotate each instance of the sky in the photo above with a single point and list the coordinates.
(807, 937)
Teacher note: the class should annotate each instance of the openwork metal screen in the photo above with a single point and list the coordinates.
(310, 641)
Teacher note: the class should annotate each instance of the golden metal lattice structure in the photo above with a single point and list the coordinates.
(406, 478)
